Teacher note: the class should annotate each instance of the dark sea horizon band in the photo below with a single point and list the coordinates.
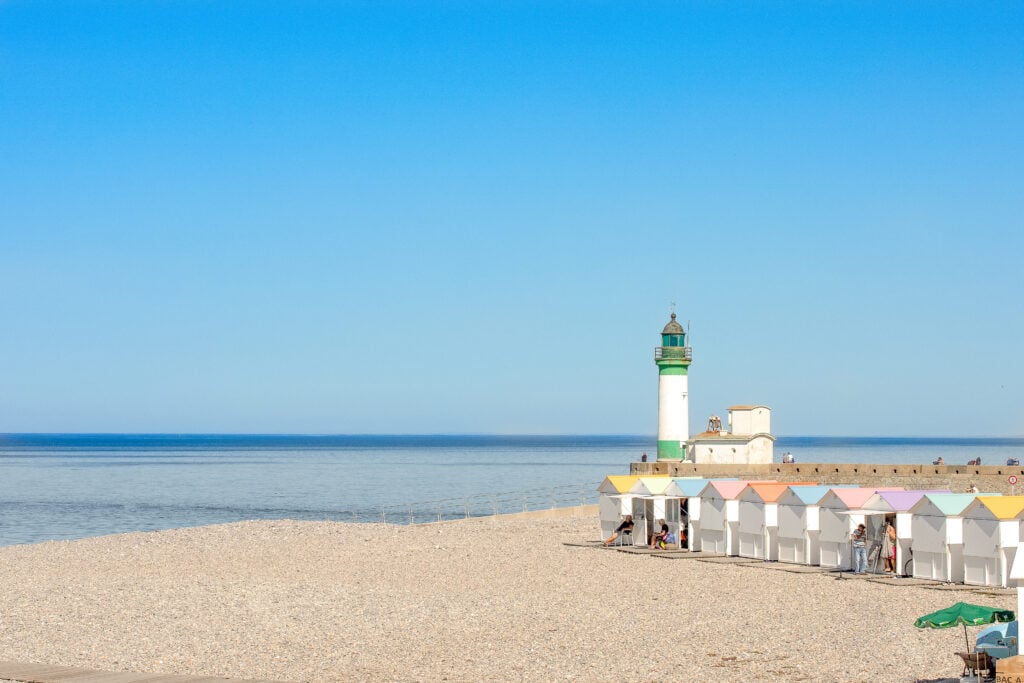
(162, 441)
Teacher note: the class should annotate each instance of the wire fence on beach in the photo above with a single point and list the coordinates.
(484, 505)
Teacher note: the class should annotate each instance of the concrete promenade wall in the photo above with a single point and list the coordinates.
(956, 478)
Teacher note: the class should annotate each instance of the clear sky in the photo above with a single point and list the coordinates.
(469, 217)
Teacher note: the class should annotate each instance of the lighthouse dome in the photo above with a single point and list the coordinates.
(673, 327)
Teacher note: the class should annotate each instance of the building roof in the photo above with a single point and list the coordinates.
(746, 407)
(728, 436)
(673, 327)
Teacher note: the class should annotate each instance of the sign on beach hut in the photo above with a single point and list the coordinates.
(839, 513)
(757, 528)
(991, 535)
(897, 505)
(938, 536)
(719, 516)
(614, 501)
(798, 524)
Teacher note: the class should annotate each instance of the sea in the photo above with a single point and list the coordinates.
(56, 487)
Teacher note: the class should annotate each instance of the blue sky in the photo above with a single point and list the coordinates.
(472, 217)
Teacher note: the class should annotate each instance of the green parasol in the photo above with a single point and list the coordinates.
(964, 613)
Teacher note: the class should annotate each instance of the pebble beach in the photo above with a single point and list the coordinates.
(483, 599)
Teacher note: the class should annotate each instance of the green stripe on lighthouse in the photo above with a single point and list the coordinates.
(671, 450)
(672, 369)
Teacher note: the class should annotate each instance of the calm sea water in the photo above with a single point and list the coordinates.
(73, 486)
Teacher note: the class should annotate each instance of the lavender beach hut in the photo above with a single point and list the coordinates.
(895, 504)
(839, 514)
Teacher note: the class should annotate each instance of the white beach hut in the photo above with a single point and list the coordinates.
(688, 491)
(799, 524)
(938, 536)
(719, 517)
(894, 505)
(758, 524)
(839, 513)
(654, 502)
(614, 501)
(992, 527)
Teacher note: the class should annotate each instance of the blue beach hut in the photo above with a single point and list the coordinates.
(799, 524)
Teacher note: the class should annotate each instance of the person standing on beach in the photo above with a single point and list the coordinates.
(890, 548)
(860, 557)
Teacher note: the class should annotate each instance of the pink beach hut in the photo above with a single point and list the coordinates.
(894, 505)
(992, 526)
(839, 514)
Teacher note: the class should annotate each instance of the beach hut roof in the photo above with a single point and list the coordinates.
(617, 483)
(854, 498)
(808, 495)
(897, 501)
(651, 486)
(769, 492)
(1003, 507)
(729, 489)
(949, 504)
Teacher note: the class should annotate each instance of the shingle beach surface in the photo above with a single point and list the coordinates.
(491, 599)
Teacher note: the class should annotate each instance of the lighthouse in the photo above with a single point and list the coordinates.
(673, 360)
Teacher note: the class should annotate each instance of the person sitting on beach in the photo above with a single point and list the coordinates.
(625, 526)
(660, 539)
(973, 488)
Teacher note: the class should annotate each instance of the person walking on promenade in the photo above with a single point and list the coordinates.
(860, 556)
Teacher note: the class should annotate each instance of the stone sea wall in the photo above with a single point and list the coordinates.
(956, 478)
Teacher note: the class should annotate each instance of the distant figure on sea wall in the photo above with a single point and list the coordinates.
(938, 461)
(974, 461)
(1012, 462)
(973, 488)
(643, 458)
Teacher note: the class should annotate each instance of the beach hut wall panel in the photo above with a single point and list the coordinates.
(937, 530)
(991, 538)
(898, 504)
(798, 524)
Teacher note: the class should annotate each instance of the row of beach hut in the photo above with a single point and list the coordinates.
(967, 538)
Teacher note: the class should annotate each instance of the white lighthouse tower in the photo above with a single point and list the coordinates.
(673, 360)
